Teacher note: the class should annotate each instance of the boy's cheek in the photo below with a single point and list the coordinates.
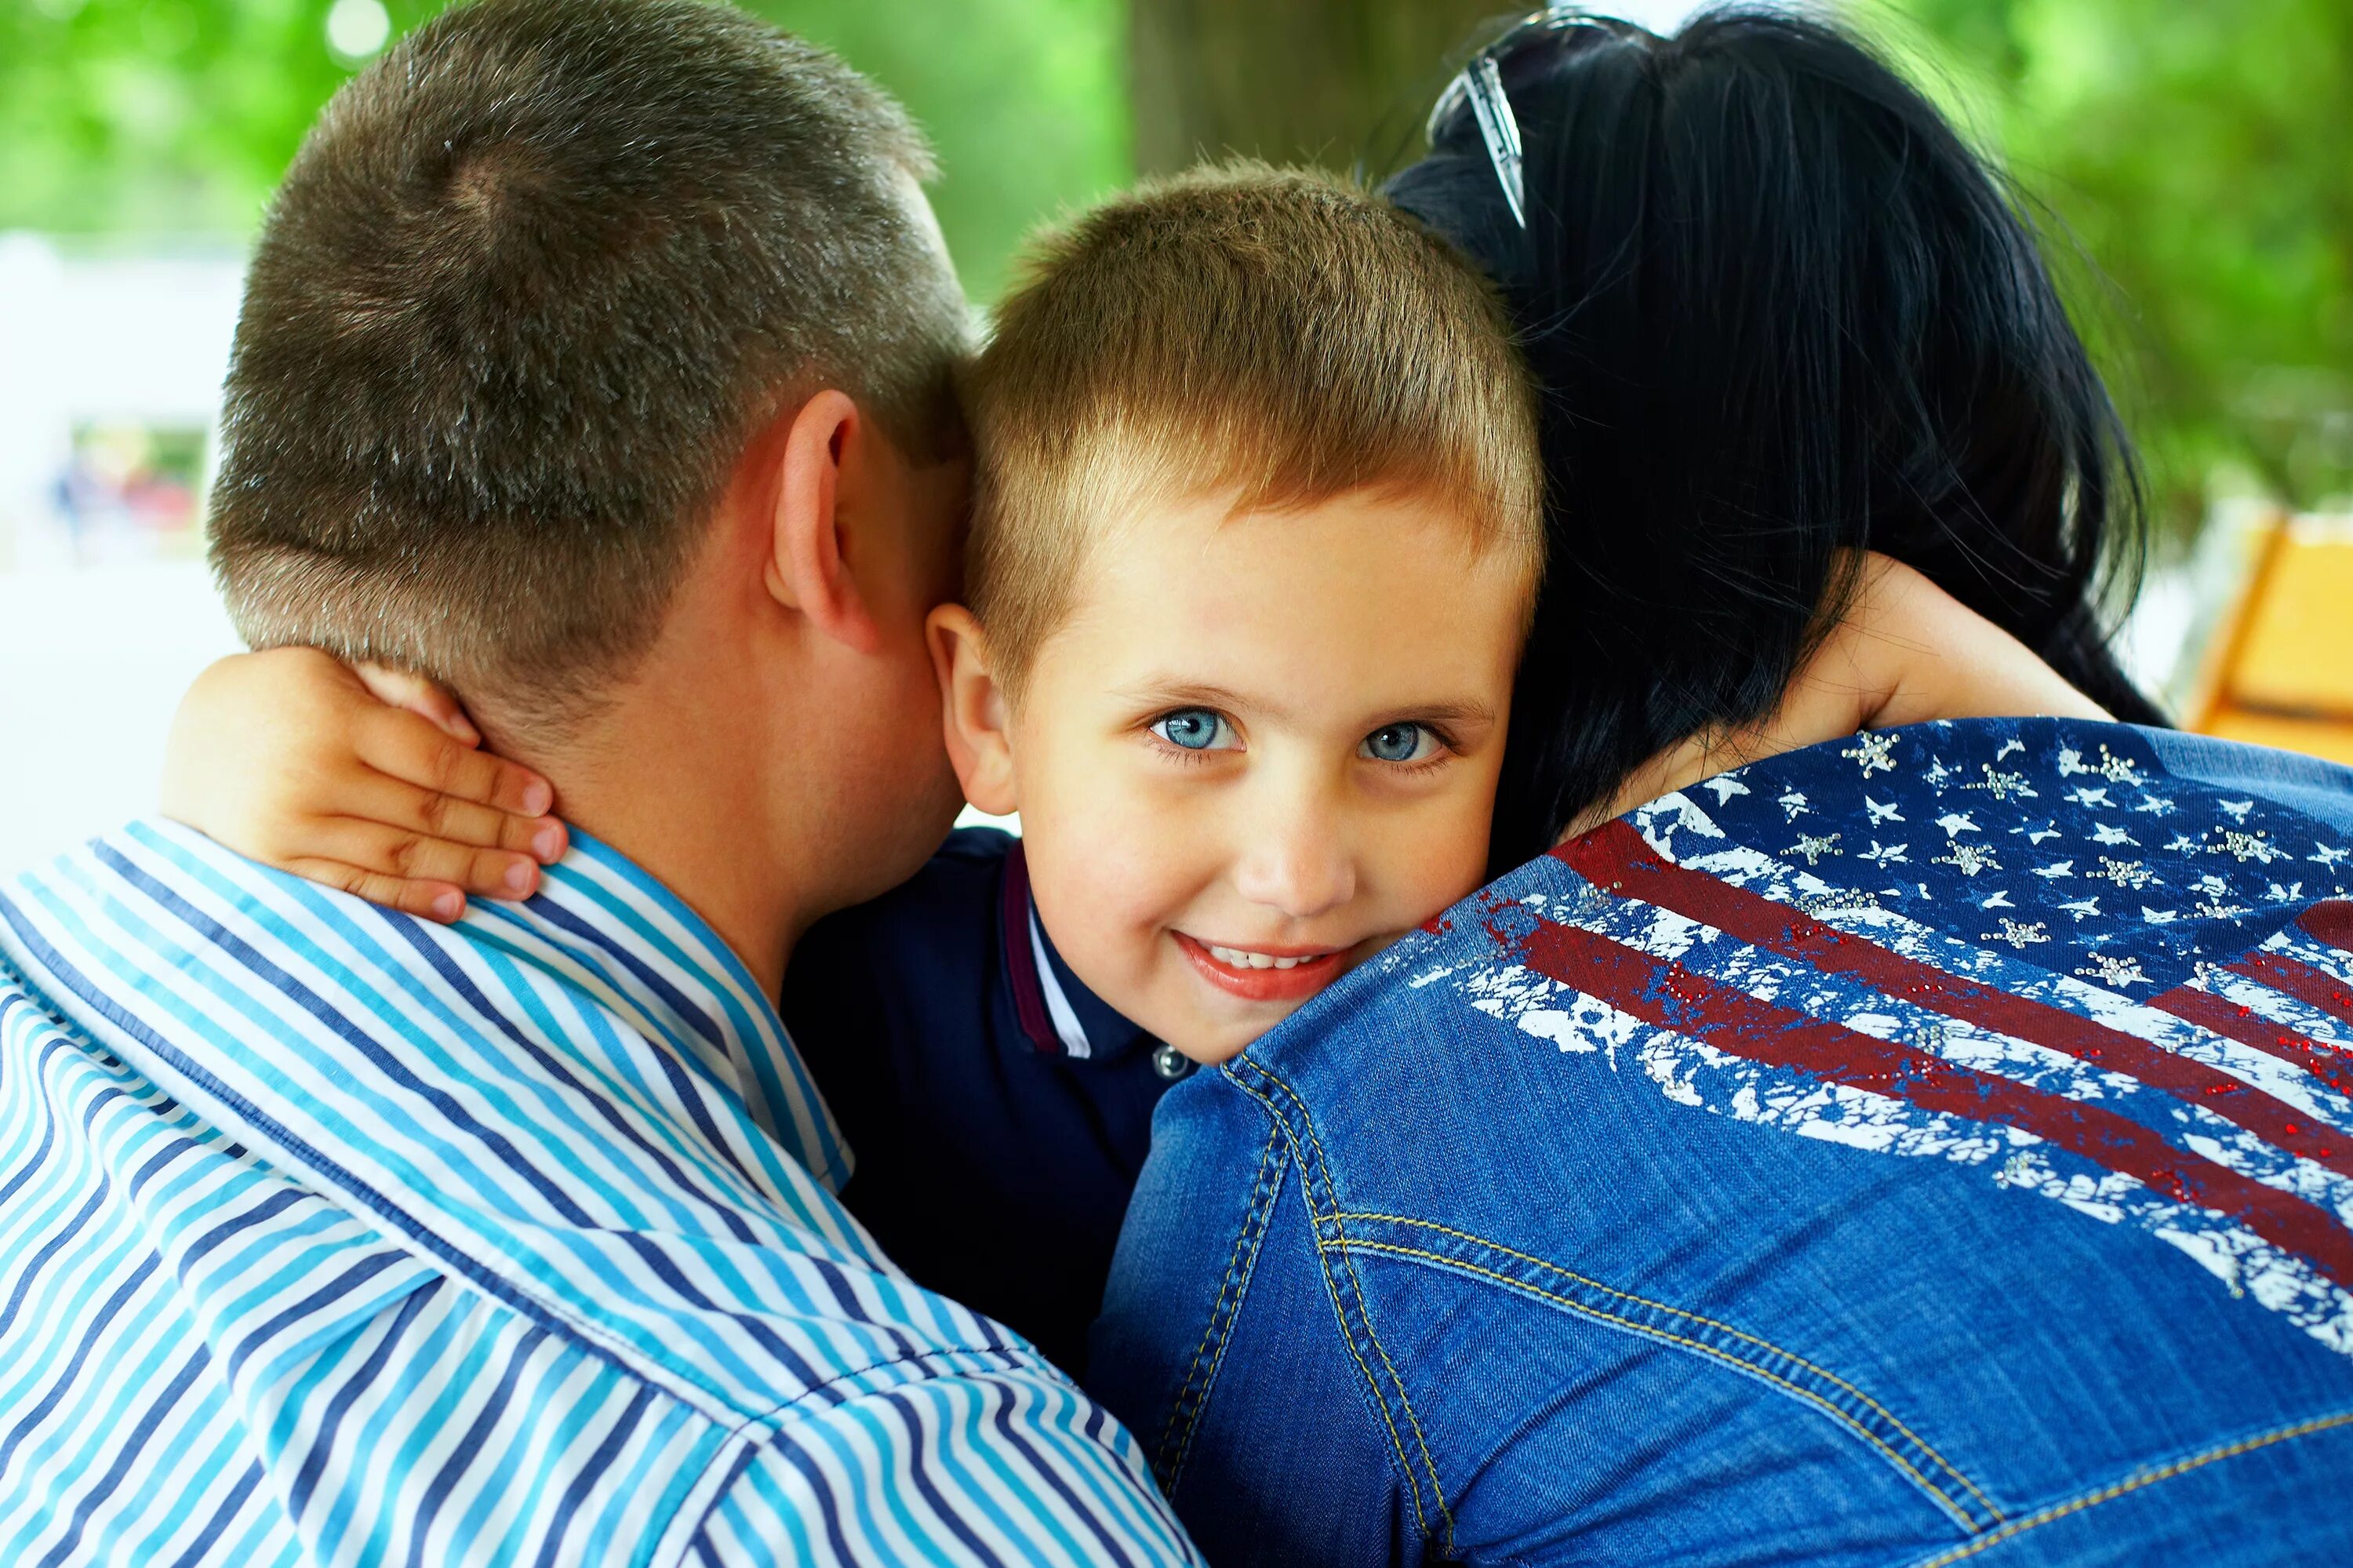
(1109, 882)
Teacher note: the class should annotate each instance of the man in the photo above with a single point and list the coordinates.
(594, 360)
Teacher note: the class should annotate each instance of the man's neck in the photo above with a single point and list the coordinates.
(666, 776)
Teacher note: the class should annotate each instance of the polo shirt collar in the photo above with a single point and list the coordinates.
(1058, 1013)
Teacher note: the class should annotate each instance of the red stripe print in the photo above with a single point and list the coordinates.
(2248, 1027)
(1616, 857)
(2330, 924)
(1667, 994)
(2315, 987)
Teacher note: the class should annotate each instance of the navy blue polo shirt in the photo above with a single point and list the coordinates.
(999, 1111)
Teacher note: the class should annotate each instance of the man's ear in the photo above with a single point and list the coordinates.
(973, 711)
(807, 566)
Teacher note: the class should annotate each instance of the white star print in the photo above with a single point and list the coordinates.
(1813, 848)
(2120, 770)
(2111, 970)
(2018, 933)
(1969, 859)
(1876, 752)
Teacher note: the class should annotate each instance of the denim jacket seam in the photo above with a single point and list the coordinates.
(1185, 1410)
(1318, 1215)
(1951, 1509)
(1926, 1448)
(2137, 1482)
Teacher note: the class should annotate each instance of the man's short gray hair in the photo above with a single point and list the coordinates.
(533, 280)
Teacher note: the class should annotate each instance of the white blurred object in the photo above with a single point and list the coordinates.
(93, 658)
(92, 665)
(356, 29)
(129, 341)
(1663, 18)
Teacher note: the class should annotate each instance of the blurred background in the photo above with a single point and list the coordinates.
(2187, 157)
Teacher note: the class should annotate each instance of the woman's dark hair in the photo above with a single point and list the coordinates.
(1778, 310)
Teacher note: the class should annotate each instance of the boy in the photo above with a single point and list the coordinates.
(1257, 531)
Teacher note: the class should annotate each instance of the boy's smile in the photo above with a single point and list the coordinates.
(1286, 974)
(1259, 748)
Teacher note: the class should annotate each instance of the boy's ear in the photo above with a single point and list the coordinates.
(973, 711)
(819, 489)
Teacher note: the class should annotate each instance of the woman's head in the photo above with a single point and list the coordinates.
(1779, 312)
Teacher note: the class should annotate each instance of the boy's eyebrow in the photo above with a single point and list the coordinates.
(1174, 693)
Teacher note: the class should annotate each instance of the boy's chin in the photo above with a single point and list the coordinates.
(1212, 1044)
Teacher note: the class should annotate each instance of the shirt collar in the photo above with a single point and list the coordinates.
(1058, 1013)
(602, 922)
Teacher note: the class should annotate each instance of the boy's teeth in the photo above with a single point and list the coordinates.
(1242, 960)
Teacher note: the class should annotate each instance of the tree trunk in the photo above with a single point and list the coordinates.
(1344, 83)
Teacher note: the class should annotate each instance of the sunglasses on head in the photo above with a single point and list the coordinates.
(1481, 85)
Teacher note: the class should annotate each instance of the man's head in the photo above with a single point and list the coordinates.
(598, 359)
(1255, 540)
(536, 281)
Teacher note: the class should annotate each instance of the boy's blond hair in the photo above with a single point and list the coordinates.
(1273, 336)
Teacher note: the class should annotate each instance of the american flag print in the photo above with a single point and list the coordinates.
(2021, 946)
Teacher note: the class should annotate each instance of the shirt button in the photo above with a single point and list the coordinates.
(1171, 1064)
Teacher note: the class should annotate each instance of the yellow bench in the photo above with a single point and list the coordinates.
(2281, 668)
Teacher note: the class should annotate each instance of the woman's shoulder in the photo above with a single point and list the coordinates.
(2032, 853)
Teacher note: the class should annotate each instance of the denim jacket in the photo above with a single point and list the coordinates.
(1932, 1147)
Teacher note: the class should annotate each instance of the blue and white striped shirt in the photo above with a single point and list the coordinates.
(328, 1235)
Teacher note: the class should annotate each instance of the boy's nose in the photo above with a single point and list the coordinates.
(1299, 869)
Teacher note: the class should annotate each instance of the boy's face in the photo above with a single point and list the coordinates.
(1259, 749)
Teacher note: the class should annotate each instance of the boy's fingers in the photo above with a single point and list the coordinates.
(399, 743)
(374, 798)
(438, 901)
(419, 857)
(429, 700)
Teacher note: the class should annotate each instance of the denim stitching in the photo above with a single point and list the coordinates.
(1323, 1166)
(1821, 1372)
(1412, 1481)
(1272, 1167)
(2135, 1482)
(1701, 1346)
(1185, 1409)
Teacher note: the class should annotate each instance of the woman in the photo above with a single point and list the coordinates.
(1882, 1152)
(1781, 312)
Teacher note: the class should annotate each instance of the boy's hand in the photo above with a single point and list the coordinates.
(368, 780)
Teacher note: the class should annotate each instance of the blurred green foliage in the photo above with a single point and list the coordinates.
(2192, 157)
(175, 118)
(2199, 153)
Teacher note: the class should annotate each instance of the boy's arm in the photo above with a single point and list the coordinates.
(1904, 652)
(365, 779)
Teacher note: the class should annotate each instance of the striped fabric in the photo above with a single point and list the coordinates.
(329, 1236)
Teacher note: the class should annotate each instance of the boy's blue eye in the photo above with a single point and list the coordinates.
(1399, 743)
(1195, 729)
